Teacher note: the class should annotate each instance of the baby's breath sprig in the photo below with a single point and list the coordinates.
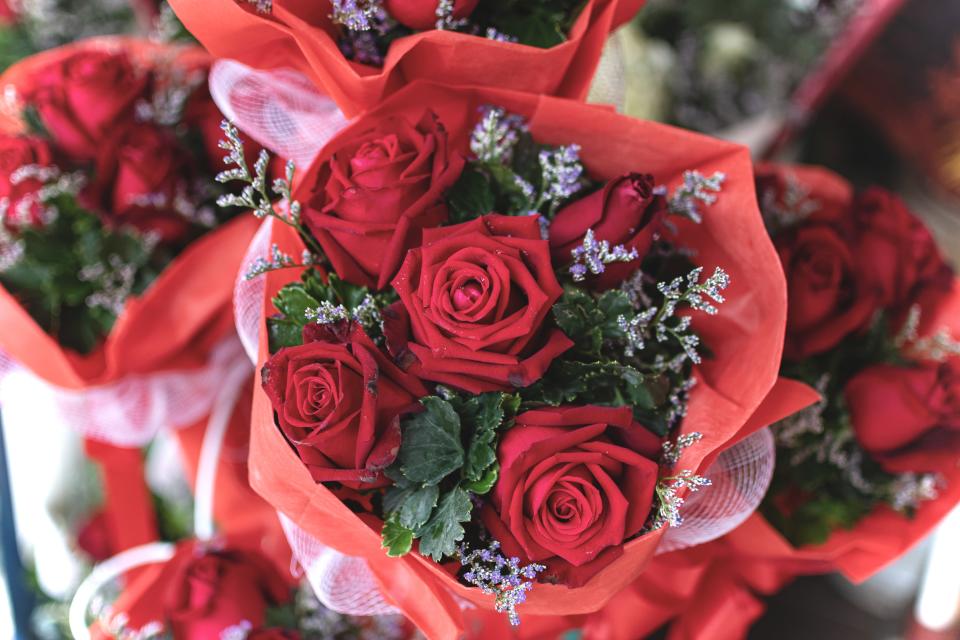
(366, 314)
(356, 15)
(445, 19)
(592, 256)
(276, 260)
(255, 195)
(652, 323)
(496, 134)
(670, 501)
(494, 574)
(673, 450)
(938, 347)
(561, 173)
(696, 189)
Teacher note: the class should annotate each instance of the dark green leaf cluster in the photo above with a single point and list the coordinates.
(596, 370)
(538, 23)
(448, 452)
(46, 281)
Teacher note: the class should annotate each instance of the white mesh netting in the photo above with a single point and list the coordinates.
(740, 477)
(127, 413)
(280, 109)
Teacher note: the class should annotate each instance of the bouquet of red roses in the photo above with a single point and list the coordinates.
(503, 364)
(869, 470)
(360, 51)
(117, 321)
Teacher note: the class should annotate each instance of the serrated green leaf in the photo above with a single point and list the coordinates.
(431, 448)
(396, 539)
(349, 295)
(293, 301)
(417, 507)
(438, 538)
(283, 333)
(484, 484)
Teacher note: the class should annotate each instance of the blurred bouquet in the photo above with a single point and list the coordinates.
(710, 66)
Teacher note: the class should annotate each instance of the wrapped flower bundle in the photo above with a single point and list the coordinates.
(869, 470)
(360, 51)
(507, 359)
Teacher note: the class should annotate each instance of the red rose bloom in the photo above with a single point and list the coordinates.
(908, 418)
(575, 483)
(422, 14)
(626, 211)
(141, 174)
(84, 97)
(900, 255)
(19, 203)
(376, 194)
(338, 401)
(211, 591)
(828, 295)
(474, 302)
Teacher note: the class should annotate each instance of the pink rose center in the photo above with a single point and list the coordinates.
(466, 295)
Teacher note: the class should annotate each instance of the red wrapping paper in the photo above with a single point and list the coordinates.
(297, 35)
(746, 338)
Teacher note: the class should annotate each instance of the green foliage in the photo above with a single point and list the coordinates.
(293, 300)
(47, 277)
(448, 452)
(538, 23)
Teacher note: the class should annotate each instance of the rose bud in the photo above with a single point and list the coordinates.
(902, 255)
(211, 591)
(474, 305)
(422, 14)
(141, 180)
(376, 194)
(338, 400)
(571, 491)
(625, 212)
(81, 99)
(908, 418)
(20, 203)
(828, 296)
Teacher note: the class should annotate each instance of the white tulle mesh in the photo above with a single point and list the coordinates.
(283, 111)
(342, 583)
(280, 109)
(127, 413)
(740, 478)
(248, 294)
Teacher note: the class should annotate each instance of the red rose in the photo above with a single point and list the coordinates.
(84, 97)
(142, 181)
(19, 202)
(828, 296)
(474, 305)
(908, 418)
(202, 114)
(210, 591)
(8, 14)
(338, 401)
(422, 14)
(575, 484)
(901, 255)
(626, 211)
(376, 194)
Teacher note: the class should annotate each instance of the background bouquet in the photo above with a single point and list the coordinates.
(359, 52)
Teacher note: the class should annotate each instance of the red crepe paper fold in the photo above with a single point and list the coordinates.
(298, 35)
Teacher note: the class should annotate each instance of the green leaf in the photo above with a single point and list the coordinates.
(283, 333)
(349, 295)
(431, 447)
(438, 538)
(293, 301)
(471, 196)
(397, 539)
(484, 484)
(418, 506)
